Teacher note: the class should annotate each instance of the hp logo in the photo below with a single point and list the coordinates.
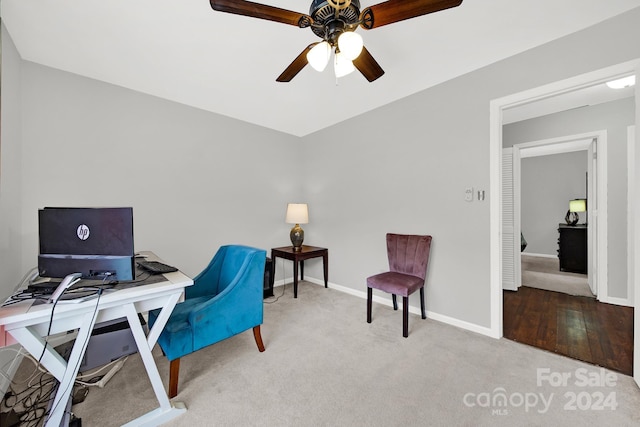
(82, 232)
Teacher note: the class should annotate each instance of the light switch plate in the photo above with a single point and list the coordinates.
(468, 194)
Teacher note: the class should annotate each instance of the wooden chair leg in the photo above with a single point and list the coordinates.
(424, 313)
(405, 317)
(395, 301)
(369, 299)
(258, 337)
(174, 369)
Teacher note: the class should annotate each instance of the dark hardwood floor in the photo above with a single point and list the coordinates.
(578, 327)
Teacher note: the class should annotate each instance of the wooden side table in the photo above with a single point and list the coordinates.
(305, 252)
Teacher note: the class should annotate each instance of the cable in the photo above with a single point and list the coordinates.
(29, 404)
(101, 381)
(102, 368)
(22, 295)
(29, 274)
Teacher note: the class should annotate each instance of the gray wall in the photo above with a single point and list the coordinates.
(11, 234)
(547, 185)
(195, 180)
(614, 117)
(402, 168)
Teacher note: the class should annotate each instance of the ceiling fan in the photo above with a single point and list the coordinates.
(335, 22)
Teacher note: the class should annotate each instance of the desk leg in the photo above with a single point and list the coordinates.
(59, 368)
(295, 279)
(273, 269)
(66, 384)
(34, 344)
(166, 411)
(161, 320)
(325, 264)
(65, 372)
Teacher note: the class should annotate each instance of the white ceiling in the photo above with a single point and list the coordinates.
(185, 52)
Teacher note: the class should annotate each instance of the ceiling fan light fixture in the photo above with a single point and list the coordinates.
(342, 65)
(350, 44)
(318, 56)
(331, 19)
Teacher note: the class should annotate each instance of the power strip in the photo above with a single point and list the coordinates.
(105, 379)
(114, 370)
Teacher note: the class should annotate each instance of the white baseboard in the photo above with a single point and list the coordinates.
(414, 310)
(540, 255)
(626, 302)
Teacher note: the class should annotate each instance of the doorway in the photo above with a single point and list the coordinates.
(595, 191)
(546, 315)
(497, 107)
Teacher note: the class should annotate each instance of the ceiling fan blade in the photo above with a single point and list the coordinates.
(368, 66)
(392, 11)
(261, 11)
(298, 64)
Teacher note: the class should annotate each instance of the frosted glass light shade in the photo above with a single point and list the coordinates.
(318, 56)
(622, 83)
(350, 44)
(577, 205)
(297, 213)
(343, 65)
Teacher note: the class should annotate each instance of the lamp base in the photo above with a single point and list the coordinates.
(571, 218)
(297, 237)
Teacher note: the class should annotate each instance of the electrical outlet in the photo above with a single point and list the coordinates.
(468, 194)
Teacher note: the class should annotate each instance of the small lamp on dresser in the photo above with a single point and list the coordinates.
(575, 206)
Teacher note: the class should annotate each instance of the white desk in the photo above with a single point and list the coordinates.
(28, 324)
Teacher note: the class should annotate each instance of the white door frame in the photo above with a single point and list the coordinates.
(597, 183)
(631, 208)
(495, 171)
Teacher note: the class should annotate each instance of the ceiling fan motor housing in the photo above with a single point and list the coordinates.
(332, 17)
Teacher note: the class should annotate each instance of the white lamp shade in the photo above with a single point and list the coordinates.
(297, 213)
(622, 83)
(343, 65)
(318, 56)
(350, 44)
(577, 205)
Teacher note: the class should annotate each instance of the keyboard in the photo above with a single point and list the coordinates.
(155, 267)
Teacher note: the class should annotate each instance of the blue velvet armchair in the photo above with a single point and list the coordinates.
(224, 300)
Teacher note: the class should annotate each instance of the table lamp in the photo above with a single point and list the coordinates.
(297, 213)
(575, 206)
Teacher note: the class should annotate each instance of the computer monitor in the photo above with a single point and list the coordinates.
(95, 242)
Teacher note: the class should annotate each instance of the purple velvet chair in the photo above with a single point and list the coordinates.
(408, 258)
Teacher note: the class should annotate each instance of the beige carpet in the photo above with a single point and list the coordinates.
(325, 366)
(544, 273)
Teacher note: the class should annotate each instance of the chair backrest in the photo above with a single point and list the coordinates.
(237, 259)
(228, 262)
(408, 253)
